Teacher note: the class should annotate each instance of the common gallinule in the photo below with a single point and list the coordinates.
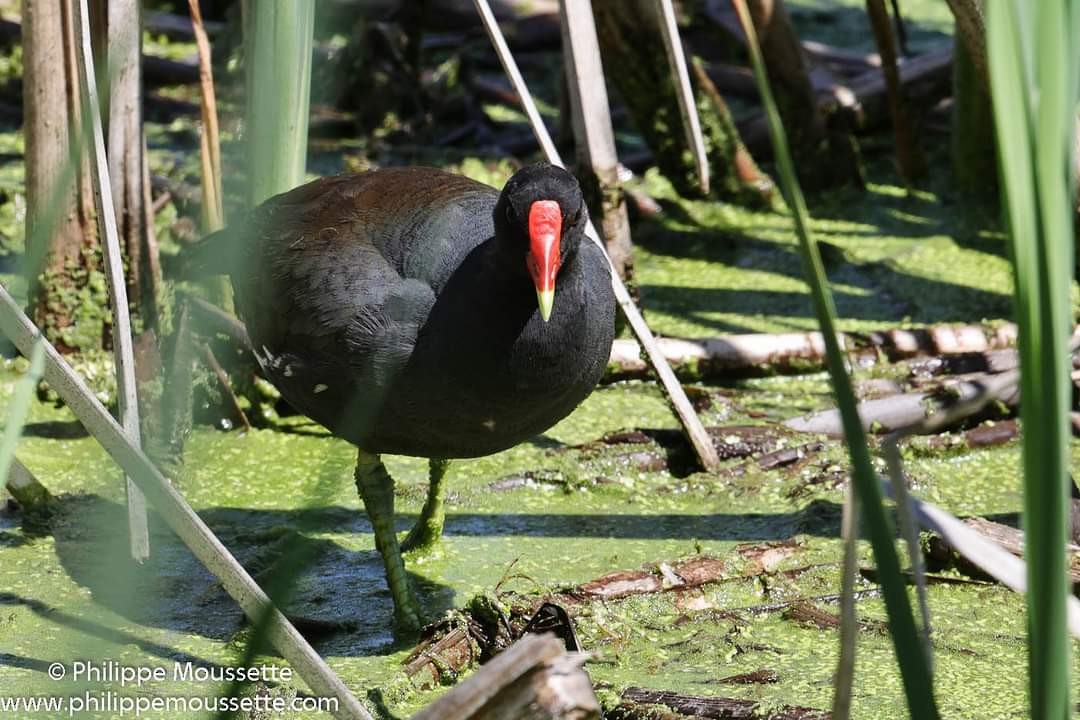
(416, 312)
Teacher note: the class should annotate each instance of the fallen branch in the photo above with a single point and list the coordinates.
(438, 659)
(987, 555)
(534, 679)
(925, 78)
(908, 412)
(772, 352)
(636, 702)
(1008, 538)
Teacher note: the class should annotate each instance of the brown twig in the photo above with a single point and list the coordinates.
(209, 146)
(909, 156)
(226, 386)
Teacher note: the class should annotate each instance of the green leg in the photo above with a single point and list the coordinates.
(376, 489)
(429, 526)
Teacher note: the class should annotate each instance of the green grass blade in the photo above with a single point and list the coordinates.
(914, 667)
(20, 407)
(278, 36)
(1030, 43)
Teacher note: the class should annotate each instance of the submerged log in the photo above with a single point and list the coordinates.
(536, 679)
(641, 703)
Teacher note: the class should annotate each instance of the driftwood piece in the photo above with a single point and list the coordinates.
(898, 412)
(690, 573)
(925, 78)
(637, 701)
(439, 658)
(985, 554)
(1006, 537)
(757, 352)
(533, 680)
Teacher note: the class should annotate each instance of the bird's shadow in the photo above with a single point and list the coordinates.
(338, 593)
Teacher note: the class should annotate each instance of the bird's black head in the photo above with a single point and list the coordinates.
(541, 214)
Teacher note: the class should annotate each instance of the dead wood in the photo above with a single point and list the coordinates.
(444, 652)
(784, 457)
(758, 677)
(822, 149)
(630, 40)
(899, 412)
(988, 434)
(637, 702)
(1008, 538)
(804, 352)
(226, 386)
(686, 574)
(909, 155)
(926, 79)
(989, 361)
(534, 680)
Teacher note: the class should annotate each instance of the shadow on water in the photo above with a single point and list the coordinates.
(339, 587)
(869, 291)
(341, 592)
(91, 628)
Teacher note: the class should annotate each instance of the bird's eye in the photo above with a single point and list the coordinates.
(573, 220)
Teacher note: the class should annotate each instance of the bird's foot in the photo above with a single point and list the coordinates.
(424, 536)
(427, 531)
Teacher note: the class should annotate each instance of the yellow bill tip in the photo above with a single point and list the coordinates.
(545, 299)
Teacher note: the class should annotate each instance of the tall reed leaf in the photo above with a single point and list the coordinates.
(913, 662)
(1033, 53)
(20, 407)
(278, 40)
